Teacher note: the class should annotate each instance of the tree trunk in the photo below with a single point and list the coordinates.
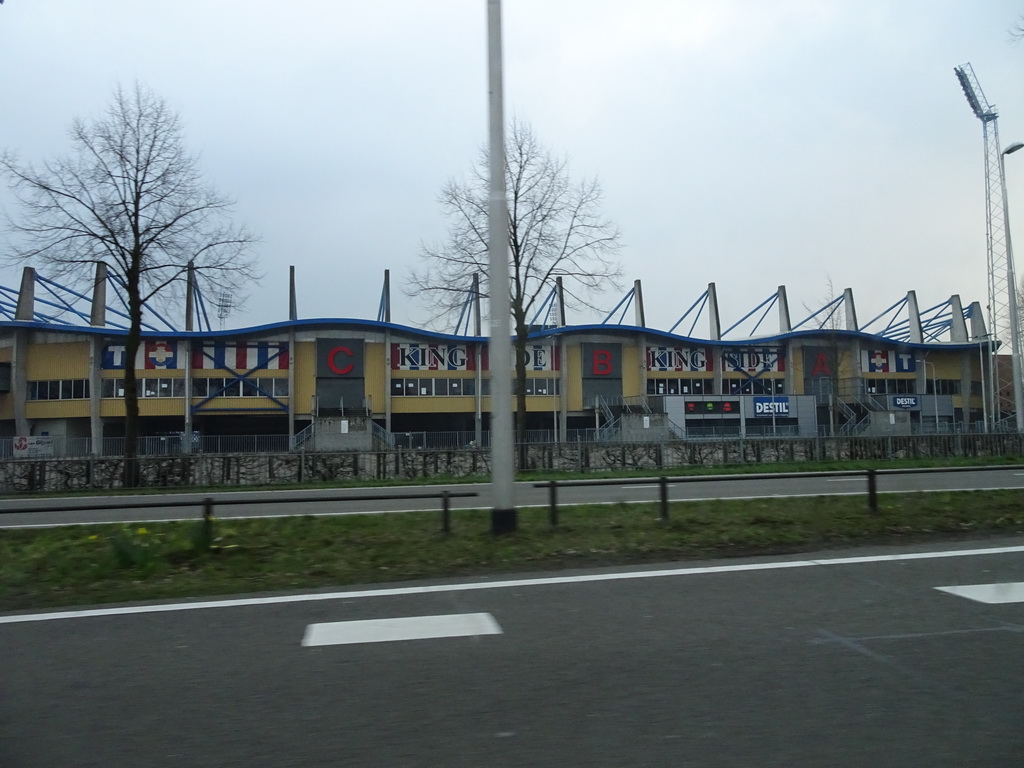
(132, 476)
(520, 351)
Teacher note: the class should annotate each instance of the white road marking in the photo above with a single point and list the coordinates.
(993, 594)
(406, 628)
(509, 584)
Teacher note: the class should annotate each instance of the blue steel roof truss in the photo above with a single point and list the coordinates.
(892, 312)
(770, 301)
(702, 300)
(833, 306)
(545, 309)
(624, 303)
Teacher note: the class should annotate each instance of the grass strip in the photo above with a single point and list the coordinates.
(82, 565)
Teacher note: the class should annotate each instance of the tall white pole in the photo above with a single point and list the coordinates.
(503, 514)
(1011, 286)
(984, 393)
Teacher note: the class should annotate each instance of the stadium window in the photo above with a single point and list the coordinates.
(60, 389)
(280, 387)
(943, 387)
(112, 388)
(250, 389)
(200, 387)
(441, 387)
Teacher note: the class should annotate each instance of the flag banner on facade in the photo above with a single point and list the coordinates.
(887, 361)
(539, 357)
(152, 355)
(254, 356)
(755, 359)
(679, 359)
(433, 357)
(462, 357)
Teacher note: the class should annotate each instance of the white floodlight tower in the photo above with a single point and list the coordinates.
(1003, 325)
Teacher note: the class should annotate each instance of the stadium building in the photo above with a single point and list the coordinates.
(347, 384)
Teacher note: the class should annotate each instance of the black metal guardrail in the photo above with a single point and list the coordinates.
(870, 476)
(207, 503)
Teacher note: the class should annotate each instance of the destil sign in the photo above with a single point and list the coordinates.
(904, 401)
(768, 406)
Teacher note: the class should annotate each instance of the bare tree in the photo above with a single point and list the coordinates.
(130, 195)
(1017, 31)
(556, 229)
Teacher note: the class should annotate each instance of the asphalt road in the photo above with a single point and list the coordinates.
(300, 502)
(836, 659)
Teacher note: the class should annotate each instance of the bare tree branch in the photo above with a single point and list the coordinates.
(1017, 30)
(556, 230)
(132, 196)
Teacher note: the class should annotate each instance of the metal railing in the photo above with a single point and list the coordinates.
(870, 479)
(175, 444)
(208, 503)
(300, 438)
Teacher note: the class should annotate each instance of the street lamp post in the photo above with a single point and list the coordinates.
(1011, 283)
(503, 513)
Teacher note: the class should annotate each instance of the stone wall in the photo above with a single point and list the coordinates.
(240, 470)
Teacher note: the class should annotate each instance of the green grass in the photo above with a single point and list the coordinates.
(102, 563)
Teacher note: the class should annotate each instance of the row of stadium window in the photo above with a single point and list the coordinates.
(758, 386)
(78, 389)
(407, 387)
(762, 386)
(909, 386)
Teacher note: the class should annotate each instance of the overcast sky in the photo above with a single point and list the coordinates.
(750, 143)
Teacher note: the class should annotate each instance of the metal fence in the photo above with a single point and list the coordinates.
(175, 444)
(249, 468)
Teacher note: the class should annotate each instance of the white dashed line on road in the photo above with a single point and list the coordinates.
(406, 628)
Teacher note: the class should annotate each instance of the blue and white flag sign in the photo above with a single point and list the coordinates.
(886, 361)
(152, 355)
